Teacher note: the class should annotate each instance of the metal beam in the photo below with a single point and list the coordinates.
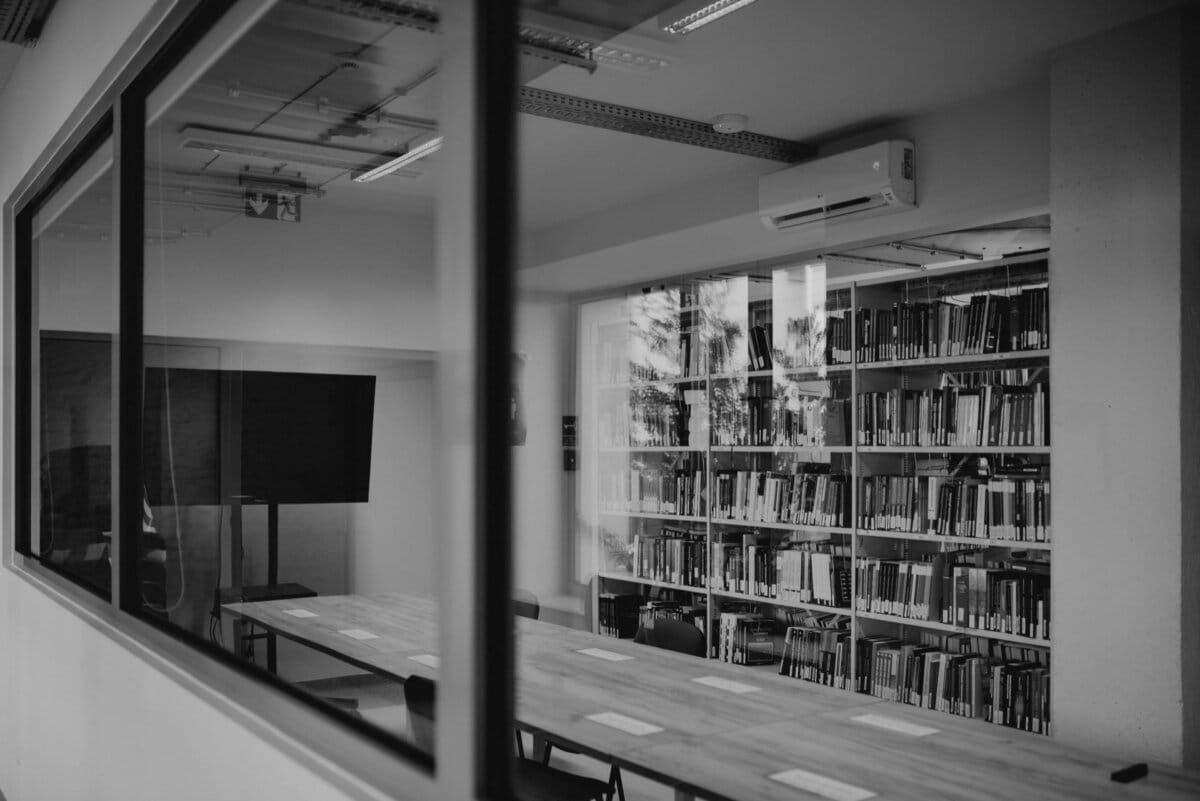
(598, 114)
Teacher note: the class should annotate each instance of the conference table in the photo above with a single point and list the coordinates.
(713, 730)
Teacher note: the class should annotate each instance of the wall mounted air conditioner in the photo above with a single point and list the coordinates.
(874, 180)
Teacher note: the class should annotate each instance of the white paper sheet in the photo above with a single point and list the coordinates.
(624, 723)
(299, 613)
(726, 684)
(428, 660)
(821, 785)
(359, 634)
(895, 724)
(600, 653)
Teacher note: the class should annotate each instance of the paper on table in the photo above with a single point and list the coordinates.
(726, 684)
(359, 634)
(895, 724)
(624, 723)
(600, 653)
(821, 785)
(428, 660)
(299, 613)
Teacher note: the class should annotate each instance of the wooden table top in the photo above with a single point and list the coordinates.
(722, 741)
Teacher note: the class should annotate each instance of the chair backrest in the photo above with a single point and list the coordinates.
(677, 635)
(525, 604)
(419, 697)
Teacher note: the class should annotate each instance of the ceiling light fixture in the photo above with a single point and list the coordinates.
(422, 147)
(693, 14)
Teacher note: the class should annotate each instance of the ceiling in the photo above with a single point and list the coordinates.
(319, 90)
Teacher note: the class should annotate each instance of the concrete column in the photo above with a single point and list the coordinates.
(1124, 333)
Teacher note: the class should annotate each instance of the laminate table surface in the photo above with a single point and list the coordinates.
(726, 735)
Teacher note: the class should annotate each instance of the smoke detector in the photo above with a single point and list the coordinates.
(729, 123)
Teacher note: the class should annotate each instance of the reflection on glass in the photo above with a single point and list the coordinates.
(289, 355)
(76, 313)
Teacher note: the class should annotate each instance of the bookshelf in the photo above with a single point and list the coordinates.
(851, 477)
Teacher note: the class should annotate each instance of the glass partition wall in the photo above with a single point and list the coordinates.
(289, 350)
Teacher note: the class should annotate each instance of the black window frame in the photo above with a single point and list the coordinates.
(24, 339)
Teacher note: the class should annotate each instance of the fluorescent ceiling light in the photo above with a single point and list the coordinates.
(688, 16)
(422, 147)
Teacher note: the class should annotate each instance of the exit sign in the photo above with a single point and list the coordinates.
(283, 206)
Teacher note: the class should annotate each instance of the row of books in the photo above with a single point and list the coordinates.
(800, 498)
(677, 556)
(818, 653)
(1013, 600)
(745, 638)
(993, 415)
(988, 323)
(654, 491)
(998, 508)
(800, 572)
(799, 422)
(618, 614)
(1009, 693)
(644, 424)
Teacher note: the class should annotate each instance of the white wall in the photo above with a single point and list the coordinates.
(543, 500)
(1119, 441)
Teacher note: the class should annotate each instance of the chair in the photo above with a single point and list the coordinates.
(525, 604)
(533, 781)
(419, 695)
(677, 635)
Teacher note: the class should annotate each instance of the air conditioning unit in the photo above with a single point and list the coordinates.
(874, 180)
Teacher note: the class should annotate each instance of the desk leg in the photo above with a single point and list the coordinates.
(270, 652)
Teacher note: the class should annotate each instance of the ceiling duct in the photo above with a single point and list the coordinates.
(21, 21)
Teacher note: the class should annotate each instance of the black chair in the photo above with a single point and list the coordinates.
(677, 635)
(532, 781)
(419, 695)
(525, 604)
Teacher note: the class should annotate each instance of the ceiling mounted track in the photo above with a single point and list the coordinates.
(422, 16)
(598, 114)
(21, 21)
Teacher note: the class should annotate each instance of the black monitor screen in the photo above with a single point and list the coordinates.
(303, 437)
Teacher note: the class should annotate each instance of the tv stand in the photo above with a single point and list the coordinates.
(271, 591)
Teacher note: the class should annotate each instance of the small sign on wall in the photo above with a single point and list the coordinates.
(283, 206)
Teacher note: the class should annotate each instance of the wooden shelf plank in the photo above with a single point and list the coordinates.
(653, 516)
(728, 521)
(741, 596)
(969, 359)
(986, 542)
(954, 449)
(609, 575)
(939, 626)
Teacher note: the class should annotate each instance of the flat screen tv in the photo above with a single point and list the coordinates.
(302, 437)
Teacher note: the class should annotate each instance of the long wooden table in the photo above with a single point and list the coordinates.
(730, 736)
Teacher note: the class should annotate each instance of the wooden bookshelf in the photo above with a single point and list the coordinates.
(999, 305)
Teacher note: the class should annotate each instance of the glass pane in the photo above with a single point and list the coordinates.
(289, 357)
(732, 503)
(75, 319)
